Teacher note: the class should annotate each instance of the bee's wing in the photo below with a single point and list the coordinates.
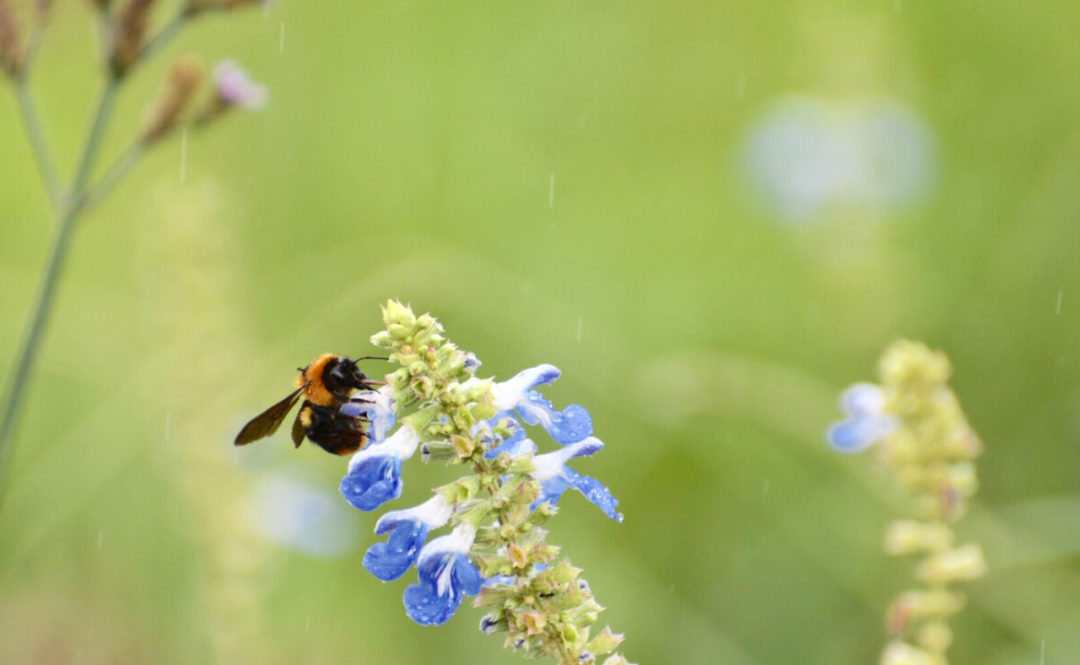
(268, 422)
(298, 429)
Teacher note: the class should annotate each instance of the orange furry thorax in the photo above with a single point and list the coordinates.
(311, 381)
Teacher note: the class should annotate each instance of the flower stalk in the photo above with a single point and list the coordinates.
(127, 46)
(15, 390)
(925, 441)
(496, 549)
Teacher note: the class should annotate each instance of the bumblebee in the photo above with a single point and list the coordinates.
(326, 384)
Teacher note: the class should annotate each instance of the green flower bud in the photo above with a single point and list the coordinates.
(935, 637)
(463, 445)
(605, 642)
(908, 537)
(569, 633)
(563, 572)
(399, 332)
(461, 490)
(383, 339)
(502, 463)
(962, 563)
(394, 313)
(437, 451)
(463, 418)
(490, 596)
(542, 514)
(518, 558)
(901, 653)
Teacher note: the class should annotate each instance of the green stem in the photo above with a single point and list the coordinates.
(37, 142)
(162, 38)
(105, 34)
(18, 381)
(33, 44)
(114, 175)
(93, 144)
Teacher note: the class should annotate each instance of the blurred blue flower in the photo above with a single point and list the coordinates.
(807, 154)
(408, 530)
(555, 477)
(303, 518)
(374, 475)
(867, 422)
(445, 577)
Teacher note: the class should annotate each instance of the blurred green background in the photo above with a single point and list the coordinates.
(697, 210)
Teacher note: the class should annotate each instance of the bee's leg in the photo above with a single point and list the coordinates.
(353, 409)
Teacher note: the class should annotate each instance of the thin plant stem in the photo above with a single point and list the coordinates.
(36, 135)
(68, 208)
(105, 32)
(33, 44)
(18, 381)
(114, 175)
(162, 38)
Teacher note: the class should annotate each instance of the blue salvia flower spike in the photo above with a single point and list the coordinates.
(497, 549)
(923, 438)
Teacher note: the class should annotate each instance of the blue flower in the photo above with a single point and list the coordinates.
(867, 421)
(374, 475)
(570, 425)
(408, 531)
(379, 407)
(445, 577)
(555, 477)
(472, 363)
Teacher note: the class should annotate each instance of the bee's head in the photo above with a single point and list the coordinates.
(345, 372)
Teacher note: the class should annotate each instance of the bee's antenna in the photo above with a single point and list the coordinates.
(370, 358)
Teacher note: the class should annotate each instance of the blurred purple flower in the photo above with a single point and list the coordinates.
(235, 88)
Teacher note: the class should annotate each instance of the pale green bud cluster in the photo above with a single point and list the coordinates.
(931, 452)
(543, 606)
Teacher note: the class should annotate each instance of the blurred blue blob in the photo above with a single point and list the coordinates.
(303, 518)
(866, 424)
(807, 154)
